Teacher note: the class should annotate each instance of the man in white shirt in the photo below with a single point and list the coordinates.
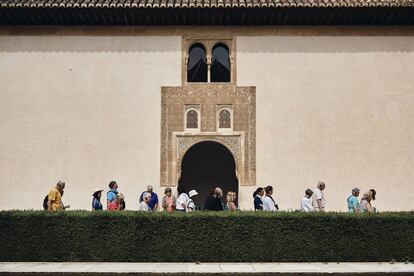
(182, 200)
(318, 200)
(191, 205)
(268, 202)
(306, 203)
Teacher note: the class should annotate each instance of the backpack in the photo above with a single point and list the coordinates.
(45, 201)
(188, 204)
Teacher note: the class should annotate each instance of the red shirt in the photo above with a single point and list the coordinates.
(113, 206)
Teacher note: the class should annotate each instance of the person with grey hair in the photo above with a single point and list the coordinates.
(143, 206)
(153, 203)
(219, 204)
(54, 197)
(352, 201)
(318, 199)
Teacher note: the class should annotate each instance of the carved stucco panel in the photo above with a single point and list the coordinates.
(209, 97)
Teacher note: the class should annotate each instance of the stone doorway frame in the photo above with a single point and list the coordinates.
(208, 99)
(234, 142)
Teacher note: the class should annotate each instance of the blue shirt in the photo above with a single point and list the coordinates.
(153, 200)
(111, 195)
(352, 202)
(258, 203)
(96, 204)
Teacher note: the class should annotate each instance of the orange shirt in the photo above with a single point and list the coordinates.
(56, 198)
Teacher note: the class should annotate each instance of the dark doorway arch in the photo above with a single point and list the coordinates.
(207, 165)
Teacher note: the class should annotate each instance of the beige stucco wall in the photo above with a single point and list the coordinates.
(333, 108)
(85, 109)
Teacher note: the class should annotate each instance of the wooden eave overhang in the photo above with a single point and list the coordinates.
(207, 12)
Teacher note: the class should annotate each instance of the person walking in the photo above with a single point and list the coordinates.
(168, 201)
(318, 199)
(374, 194)
(146, 198)
(258, 201)
(352, 201)
(54, 197)
(365, 205)
(269, 203)
(306, 202)
(117, 204)
(153, 203)
(191, 206)
(210, 202)
(111, 194)
(219, 204)
(96, 200)
(231, 198)
(182, 200)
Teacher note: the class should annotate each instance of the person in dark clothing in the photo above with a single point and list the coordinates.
(374, 193)
(220, 205)
(258, 202)
(210, 203)
(96, 201)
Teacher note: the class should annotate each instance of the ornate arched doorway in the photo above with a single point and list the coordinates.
(206, 165)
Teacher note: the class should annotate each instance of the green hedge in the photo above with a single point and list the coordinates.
(205, 236)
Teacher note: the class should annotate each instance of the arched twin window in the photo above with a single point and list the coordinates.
(220, 64)
(197, 67)
(197, 64)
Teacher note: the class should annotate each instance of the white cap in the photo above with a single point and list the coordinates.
(192, 193)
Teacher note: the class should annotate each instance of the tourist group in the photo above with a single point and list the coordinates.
(312, 201)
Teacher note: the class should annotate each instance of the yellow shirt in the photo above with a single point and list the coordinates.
(56, 198)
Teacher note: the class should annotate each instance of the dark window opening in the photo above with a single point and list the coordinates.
(220, 64)
(197, 64)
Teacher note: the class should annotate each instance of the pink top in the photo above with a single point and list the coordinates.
(113, 206)
(169, 202)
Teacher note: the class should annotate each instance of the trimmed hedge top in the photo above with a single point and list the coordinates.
(205, 236)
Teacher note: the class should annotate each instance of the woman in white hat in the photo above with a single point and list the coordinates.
(96, 201)
(191, 207)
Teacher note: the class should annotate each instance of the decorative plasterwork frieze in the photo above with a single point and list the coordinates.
(209, 98)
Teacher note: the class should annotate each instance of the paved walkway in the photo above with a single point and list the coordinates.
(205, 268)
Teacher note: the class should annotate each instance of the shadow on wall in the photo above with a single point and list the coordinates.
(84, 44)
(324, 44)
